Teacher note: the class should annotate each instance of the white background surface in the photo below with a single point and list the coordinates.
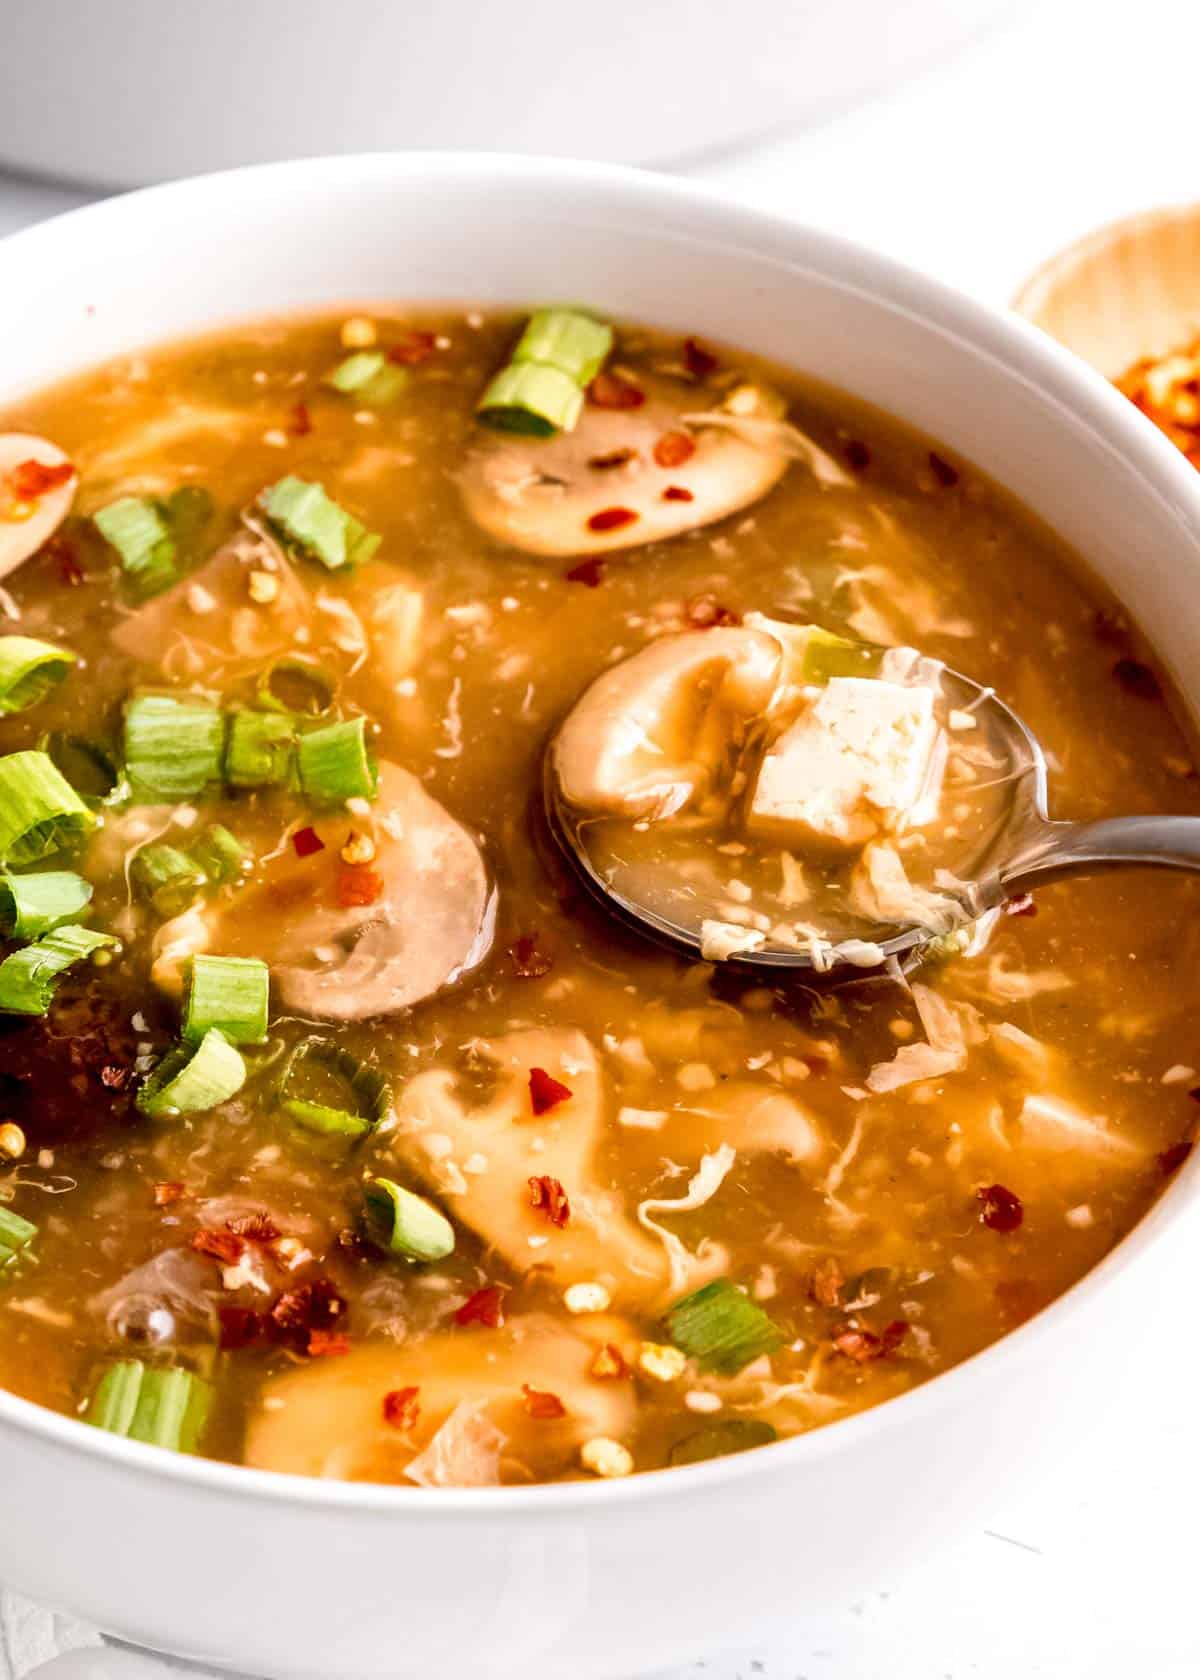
(1083, 111)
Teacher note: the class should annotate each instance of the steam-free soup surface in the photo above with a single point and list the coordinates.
(889, 1175)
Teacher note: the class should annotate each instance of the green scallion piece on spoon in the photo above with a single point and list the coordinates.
(335, 764)
(39, 809)
(161, 1408)
(173, 746)
(192, 1078)
(722, 1328)
(259, 749)
(29, 669)
(16, 1234)
(229, 993)
(400, 1222)
(31, 905)
(312, 522)
(28, 977)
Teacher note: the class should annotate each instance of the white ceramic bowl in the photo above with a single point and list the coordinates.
(592, 1581)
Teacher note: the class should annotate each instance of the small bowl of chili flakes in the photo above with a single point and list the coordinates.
(1127, 299)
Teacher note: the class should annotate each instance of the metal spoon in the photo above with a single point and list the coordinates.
(1025, 849)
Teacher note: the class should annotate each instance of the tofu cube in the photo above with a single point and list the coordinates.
(855, 763)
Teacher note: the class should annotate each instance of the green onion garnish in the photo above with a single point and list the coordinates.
(173, 746)
(731, 1435)
(827, 655)
(722, 1328)
(29, 669)
(324, 1088)
(39, 809)
(292, 683)
(163, 1408)
(89, 766)
(193, 1077)
(369, 377)
(16, 1234)
(400, 1222)
(335, 765)
(314, 523)
(28, 977)
(229, 993)
(136, 528)
(31, 905)
(258, 752)
(540, 392)
(221, 855)
(167, 878)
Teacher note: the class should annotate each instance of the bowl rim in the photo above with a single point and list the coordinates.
(1007, 339)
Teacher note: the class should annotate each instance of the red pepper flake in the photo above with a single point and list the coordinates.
(856, 1343)
(946, 475)
(416, 346)
(673, 449)
(485, 1307)
(542, 1406)
(31, 479)
(611, 519)
(401, 1408)
(306, 841)
(300, 420)
(891, 1336)
(858, 456)
(548, 1195)
(698, 361)
(256, 1227)
(1022, 905)
(590, 572)
(240, 1326)
(608, 1362)
(358, 884)
(614, 458)
(609, 390)
(310, 1306)
(546, 1092)
(115, 1078)
(677, 493)
(62, 551)
(1194, 1093)
(1137, 678)
(999, 1209)
(1170, 1160)
(826, 1283)
(705, 612)
(165, 1194)
(528, 961)
(225, 1246)
(326, 1344)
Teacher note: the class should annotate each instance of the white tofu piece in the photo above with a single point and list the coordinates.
(856, 762)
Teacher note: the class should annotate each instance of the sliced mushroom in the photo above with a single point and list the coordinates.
(28, 521)
(497, 1145)
(327, 1419)
(609, 484)
(755, 1119)
(650, 736)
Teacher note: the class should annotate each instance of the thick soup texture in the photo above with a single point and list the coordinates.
(447, 1180)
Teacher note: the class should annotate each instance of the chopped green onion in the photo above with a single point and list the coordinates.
(136, 528)
(540, 391)
(827, 655)
(259, 750)
(29, 669)
(314, 523)
(173, 746)
(722, 1327)
(31, 905)
(369, 377)
(400, 1222)
(221, 855)
(229, 993)
(39, 809)
(16, 1234)
(162, 1408)
(28, 977)
(335, 764)
(167, 878)
(731, 1435)
(573, 343)
(89, 766)
(324, 1088)
(192, 1077)
(292, 683)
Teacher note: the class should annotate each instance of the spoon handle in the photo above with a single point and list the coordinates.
(1061, 848)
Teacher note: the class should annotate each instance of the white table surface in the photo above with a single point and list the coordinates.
(1081, 111)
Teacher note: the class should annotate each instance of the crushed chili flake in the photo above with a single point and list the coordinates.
(541, 1405)
(856, 1343)
(240, 1326)
(1137, 679)
(611, 519)
(1021, 905)
(608, 1362)
(529, 962)
(609, 390)
(857, 454)
(325, 1344)
(546, 1092)
(946, 475)
(677, 493)
(614, 458)
(1169, 1160)
(63, 552)
(1194, 1093)
(999, 1209)
(315, 1305)
(31, 479)
(673, 449)
(548, 1195)
(357, 885)
(401, 1407)
(415, 347)
(892, 1335)
(256, 1227)
(300, 420)
(590, 572)
(485, 1306)
(306, 841)
(166, 1193)
(225, 1246)
(698, 361)
(705, 612)
(115, 1078)
(826, 1282)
